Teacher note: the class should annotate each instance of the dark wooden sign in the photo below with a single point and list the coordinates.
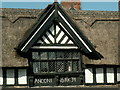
(44, 81)
(48, 81)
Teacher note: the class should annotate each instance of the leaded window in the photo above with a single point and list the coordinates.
(56, 66)
(55, 61)
(55, 55)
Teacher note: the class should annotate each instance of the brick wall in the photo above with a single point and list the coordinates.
(67, 3)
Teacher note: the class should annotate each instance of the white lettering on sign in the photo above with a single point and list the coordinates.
(72, 79)
(43, 81)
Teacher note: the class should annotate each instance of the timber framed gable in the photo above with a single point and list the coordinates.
(54, 14)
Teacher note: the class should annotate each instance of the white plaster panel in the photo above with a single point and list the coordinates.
(57, 29)
(70, 42)
(99, 75)
(10, 77)
(64, 40)
(22, 76)
(118, 74)
(50, 36)
(1, 77)
(110, 75)
(60, 36)
(89, 75)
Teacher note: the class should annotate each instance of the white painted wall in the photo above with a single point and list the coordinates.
(70, 42)
(64, 40)
(57, 29)
(22, 76)
(110, 75)
(60, 36)
(99, 75)
(89, 75)
(10, 77)
(1, 77)
(118, 74)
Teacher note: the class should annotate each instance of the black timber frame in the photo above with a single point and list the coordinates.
(104, 67)
(53, 9)
(4, 71)
(56, 75)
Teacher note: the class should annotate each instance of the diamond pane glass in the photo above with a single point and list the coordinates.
(52, 55)
(35, 55)
(75, 55)
(68, 66)
(43, 55)
(75, 65)
(60, 55)
(67, 55)
(63, 61)
(52, 66)
(44, 66)
(60, 66)
(36, 66)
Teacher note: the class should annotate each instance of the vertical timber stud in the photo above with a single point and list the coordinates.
(16, 77)
(57, 80)
(94, 75)
(4, 77)
(29, 75)
(105, 75)
(80, 68)
(115, 75)
(83, 66)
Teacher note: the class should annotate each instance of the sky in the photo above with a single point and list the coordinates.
(102, 5)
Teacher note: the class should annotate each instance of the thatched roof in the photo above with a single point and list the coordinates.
(101, 28)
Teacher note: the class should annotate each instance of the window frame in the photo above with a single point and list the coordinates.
(15, 69)
(55, 60)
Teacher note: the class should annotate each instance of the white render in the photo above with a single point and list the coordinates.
(10, 77)
(60, 36)
(99, 75)
(110, 75)
(50, 37)
(118, 74)
(64, 40)
(1, 77)
(22, 76)
(89, 75)
(57, 29)
(70, 42)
